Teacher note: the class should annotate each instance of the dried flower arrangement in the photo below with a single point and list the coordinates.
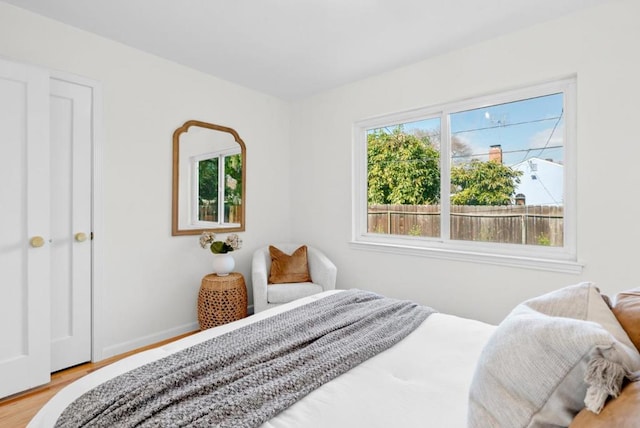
(232, 243)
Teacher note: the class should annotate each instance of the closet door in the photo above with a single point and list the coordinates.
(71, 142)
(24, 228)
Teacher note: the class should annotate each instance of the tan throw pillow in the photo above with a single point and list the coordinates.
(627, 311)
(289, 268)
(621, 412)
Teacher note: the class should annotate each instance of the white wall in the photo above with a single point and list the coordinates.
(600, 46)
(151, 278)
(299, 164)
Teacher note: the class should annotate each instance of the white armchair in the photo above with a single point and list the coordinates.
(321, 269)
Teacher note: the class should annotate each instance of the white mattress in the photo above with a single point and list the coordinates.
(422, 381)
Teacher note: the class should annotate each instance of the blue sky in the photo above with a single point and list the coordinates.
(525, 129)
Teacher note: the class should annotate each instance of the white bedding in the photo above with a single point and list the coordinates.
(422, 381)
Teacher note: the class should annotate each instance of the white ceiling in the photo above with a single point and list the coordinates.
(295, 48)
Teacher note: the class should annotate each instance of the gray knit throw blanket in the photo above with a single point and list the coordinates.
(247, 376)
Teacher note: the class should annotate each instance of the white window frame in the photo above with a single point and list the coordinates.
(560, 259)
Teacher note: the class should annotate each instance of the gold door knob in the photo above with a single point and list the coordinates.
(36, 241)
(80, 237)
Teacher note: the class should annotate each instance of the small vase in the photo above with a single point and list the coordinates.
(223, 264)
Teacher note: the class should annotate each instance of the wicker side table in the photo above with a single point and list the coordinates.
(221, 299)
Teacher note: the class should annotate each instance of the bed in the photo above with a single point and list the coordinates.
(426, 379)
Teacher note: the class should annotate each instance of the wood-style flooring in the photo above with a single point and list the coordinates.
(17, 410)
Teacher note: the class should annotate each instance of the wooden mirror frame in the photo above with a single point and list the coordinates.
(175, 211)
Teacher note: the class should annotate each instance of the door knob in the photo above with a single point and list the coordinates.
(80, 237)
(36, 241)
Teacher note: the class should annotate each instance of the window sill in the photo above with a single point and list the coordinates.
(561, 266)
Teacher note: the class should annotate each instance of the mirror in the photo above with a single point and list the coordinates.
(209, 170)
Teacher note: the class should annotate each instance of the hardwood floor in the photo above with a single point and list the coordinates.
(17, 410)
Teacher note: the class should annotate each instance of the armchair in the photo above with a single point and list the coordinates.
(321, 269)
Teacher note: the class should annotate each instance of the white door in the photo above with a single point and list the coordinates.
(24, 228)
(71, 142)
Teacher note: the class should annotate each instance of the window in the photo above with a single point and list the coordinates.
(489, 178)
(219, 188)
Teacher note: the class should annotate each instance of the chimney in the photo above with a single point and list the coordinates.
(495, 153)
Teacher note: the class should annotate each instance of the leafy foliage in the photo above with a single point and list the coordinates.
(461, 151)
(483, 183)
(402, 168)
(233, 169)
(219, 247)
(208, 179)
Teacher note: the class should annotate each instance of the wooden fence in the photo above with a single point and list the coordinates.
(209, 212)
(514, 224)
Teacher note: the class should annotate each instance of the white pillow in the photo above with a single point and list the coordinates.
(549, 358)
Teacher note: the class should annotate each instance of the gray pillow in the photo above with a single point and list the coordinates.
(549, 358)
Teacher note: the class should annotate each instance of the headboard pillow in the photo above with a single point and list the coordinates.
(287, 268)
(627, 311)
(549, 358)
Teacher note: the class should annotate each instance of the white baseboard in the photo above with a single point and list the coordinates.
(130, 345)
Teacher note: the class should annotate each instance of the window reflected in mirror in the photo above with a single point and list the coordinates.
(213, 199)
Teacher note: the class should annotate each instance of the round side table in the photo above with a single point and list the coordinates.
(221, 299)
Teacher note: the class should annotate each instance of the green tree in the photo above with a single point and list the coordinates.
(402, 168)
(233, 170)
(208, 179)
(483, 183)
(461, 151)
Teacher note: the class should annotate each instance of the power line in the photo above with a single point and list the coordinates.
(548, 139)
(547, 191)
(466, 156)
(390, 128)
(552, 132)
(508, 125)
(505, 152)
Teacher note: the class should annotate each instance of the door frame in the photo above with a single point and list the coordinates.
(97, 210)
